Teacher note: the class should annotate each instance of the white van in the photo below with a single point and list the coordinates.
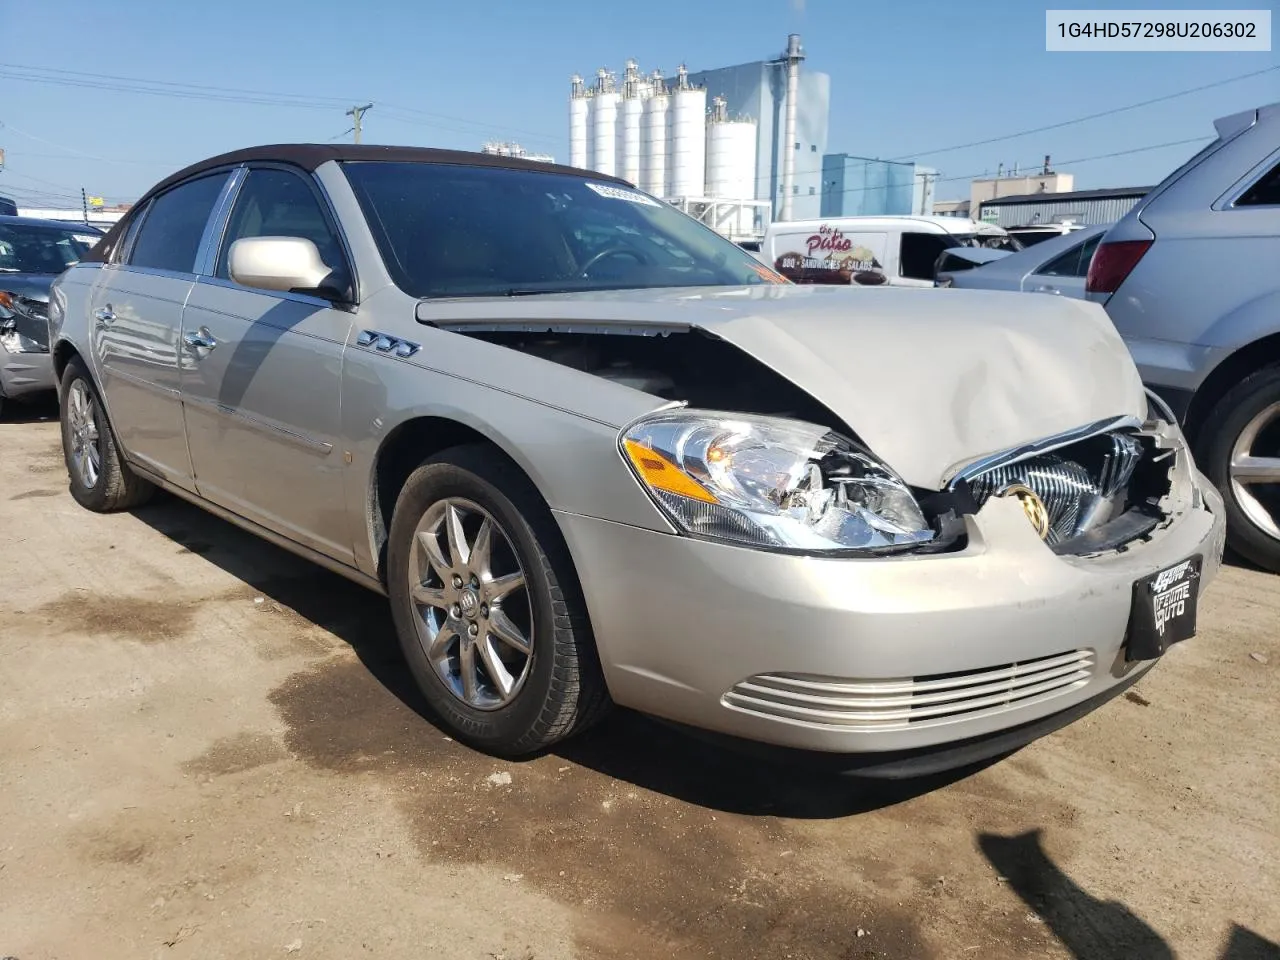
(872, 251)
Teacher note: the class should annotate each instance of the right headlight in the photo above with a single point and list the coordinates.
(771, 483)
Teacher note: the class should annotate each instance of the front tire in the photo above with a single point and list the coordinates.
(100, 479)
(487, 605)
(1239, 450)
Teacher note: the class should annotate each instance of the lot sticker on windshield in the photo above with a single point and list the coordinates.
(90, 239)
(613, 193)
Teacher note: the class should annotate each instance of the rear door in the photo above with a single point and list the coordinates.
(1065, 274)
(261, 387)
(136, 315)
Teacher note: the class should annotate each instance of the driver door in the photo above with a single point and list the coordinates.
(262, 374)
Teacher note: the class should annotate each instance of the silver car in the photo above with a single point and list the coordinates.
(1189, 279)
(594, 453)
(1057, 266)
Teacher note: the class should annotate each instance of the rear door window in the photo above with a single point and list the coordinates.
(169, 237)
(1073, 263)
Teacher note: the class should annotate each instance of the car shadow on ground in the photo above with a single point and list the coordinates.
(1088, 927)
(41, 410)
(625, 746)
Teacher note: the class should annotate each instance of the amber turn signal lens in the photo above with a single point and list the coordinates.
(661, 474)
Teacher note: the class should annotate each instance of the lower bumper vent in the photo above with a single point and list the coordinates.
(875, 705)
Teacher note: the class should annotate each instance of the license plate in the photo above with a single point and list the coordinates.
(1164, 610)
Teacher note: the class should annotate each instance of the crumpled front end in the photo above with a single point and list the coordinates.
(1025, 615)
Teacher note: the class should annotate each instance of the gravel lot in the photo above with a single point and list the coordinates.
(209, 749)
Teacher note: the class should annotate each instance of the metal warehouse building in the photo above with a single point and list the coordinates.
(1079, 206)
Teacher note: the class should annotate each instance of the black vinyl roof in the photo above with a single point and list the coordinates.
(309, 156)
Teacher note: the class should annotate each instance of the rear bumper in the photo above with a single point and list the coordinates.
(868, 652)
(25, 373)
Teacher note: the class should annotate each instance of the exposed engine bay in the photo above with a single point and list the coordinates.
(1097, 494)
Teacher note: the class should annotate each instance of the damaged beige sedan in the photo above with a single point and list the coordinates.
(595, 454)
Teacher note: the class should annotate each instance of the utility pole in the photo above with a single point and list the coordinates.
(84, 205)
(357, 114)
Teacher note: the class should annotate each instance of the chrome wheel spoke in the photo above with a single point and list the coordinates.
(499, 587)
(439, 648)
(428, 596)
(467, 667)
(458, 548)
(430, 545)
(501, 627)
(478, 560)
(1248, 469)
(500, 677)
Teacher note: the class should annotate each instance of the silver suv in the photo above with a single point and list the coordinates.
(1190, 280)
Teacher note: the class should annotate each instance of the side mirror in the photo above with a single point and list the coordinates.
(279, 263)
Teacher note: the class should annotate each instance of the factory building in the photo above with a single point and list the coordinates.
(736, 147)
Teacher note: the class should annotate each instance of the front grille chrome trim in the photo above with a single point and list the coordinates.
(954, 476)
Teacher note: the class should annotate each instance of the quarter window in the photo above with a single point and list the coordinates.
(169, 237)
(1073, 263)
(1264, 193)
(277, 203)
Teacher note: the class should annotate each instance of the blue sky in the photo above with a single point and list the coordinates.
(907, 78)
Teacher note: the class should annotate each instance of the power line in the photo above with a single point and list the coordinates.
(1091, 116)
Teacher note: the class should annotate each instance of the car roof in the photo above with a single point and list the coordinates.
(309, 156)
(39, 222)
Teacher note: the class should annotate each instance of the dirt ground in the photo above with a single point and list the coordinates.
(209, 749)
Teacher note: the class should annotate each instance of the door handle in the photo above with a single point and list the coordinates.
(1047, 289)
(106, 314)
(201, 339)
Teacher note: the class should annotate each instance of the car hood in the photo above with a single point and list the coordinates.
(929, 379)
(33, 285)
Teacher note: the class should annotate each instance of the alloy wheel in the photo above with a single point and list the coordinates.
(473, 612)
(1255, 470)
(86, 448)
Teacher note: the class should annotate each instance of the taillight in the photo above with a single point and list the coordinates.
(1112, 262)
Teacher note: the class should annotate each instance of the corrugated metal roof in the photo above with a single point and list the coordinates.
(1111, 193)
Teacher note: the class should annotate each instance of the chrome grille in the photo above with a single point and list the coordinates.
(893, 704)
(1076, 496)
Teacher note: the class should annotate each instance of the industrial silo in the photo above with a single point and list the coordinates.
(578, 153)
(731, 166)
(654, 156)
(633, 89)
(688, 138)
(604, 124)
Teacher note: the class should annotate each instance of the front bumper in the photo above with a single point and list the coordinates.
(703, 634)
(24, 373)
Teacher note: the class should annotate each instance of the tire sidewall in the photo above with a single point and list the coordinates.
(93, 497)
(489, 729)
(1217, 438)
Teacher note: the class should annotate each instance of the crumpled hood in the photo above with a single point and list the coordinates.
(929, 379)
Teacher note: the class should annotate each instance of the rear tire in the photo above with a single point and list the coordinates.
(100, 479)
(1224, 434)
(447, 601)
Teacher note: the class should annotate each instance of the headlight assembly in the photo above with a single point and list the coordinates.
(771, 483)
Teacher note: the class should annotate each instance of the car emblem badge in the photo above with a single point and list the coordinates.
(1032, 506)
(468, 602)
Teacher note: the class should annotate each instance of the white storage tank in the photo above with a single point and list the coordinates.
(628, 160)
(604, 125)
(731, 164)
(578, 154)
(654, 153)
(688, 138)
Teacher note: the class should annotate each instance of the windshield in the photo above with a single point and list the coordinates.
(447, 230)
(32, 249)
(992, 241)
